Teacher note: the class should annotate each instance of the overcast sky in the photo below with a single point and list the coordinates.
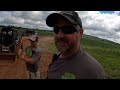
(102, 24)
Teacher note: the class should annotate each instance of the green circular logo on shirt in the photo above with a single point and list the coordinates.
(68, 76)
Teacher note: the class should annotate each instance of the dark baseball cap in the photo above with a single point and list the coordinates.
(71, 16)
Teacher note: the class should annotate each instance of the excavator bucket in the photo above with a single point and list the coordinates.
(7, 58)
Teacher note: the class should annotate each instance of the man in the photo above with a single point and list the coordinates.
(72, 62)
(32, 56)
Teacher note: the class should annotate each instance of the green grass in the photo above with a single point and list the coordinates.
(45, 33)
(106, 52)
(52, 47)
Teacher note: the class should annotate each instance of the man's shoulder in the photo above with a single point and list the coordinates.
(89, 59)
(38, 50)
(28, 47)
(86, 55)
(91, 62)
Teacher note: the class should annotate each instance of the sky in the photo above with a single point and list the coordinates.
(102, 24)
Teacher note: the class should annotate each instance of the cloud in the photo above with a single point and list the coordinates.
(103, 25)
(5, 14)
(13, 20)
(116, 12)
(33, 15)
(98, 21)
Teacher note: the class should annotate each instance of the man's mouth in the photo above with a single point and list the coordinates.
(62, 43)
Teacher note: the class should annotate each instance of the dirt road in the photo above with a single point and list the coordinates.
(18, 70)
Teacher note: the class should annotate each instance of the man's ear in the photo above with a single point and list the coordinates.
(81, 32)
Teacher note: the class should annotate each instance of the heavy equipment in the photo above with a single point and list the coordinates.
(9, 45)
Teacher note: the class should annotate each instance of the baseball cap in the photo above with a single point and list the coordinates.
(71, 16)
(32, 38)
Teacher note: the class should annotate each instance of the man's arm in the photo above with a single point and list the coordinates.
(28, 59)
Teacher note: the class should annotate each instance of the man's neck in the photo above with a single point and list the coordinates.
(34, 47)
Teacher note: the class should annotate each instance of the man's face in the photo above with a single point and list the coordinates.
(66, 37)
(33, 43)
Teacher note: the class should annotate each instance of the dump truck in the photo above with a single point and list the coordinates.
(9, 45)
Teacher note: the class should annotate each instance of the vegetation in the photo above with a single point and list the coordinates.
(45, 33)
(52, 47)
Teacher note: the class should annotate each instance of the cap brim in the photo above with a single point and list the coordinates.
(52, 18)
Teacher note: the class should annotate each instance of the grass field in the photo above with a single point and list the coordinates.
(45, 33)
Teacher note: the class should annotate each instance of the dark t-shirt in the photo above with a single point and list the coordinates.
(36, 57)
(79, 66)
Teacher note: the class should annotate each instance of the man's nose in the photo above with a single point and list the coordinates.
(60, 34)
